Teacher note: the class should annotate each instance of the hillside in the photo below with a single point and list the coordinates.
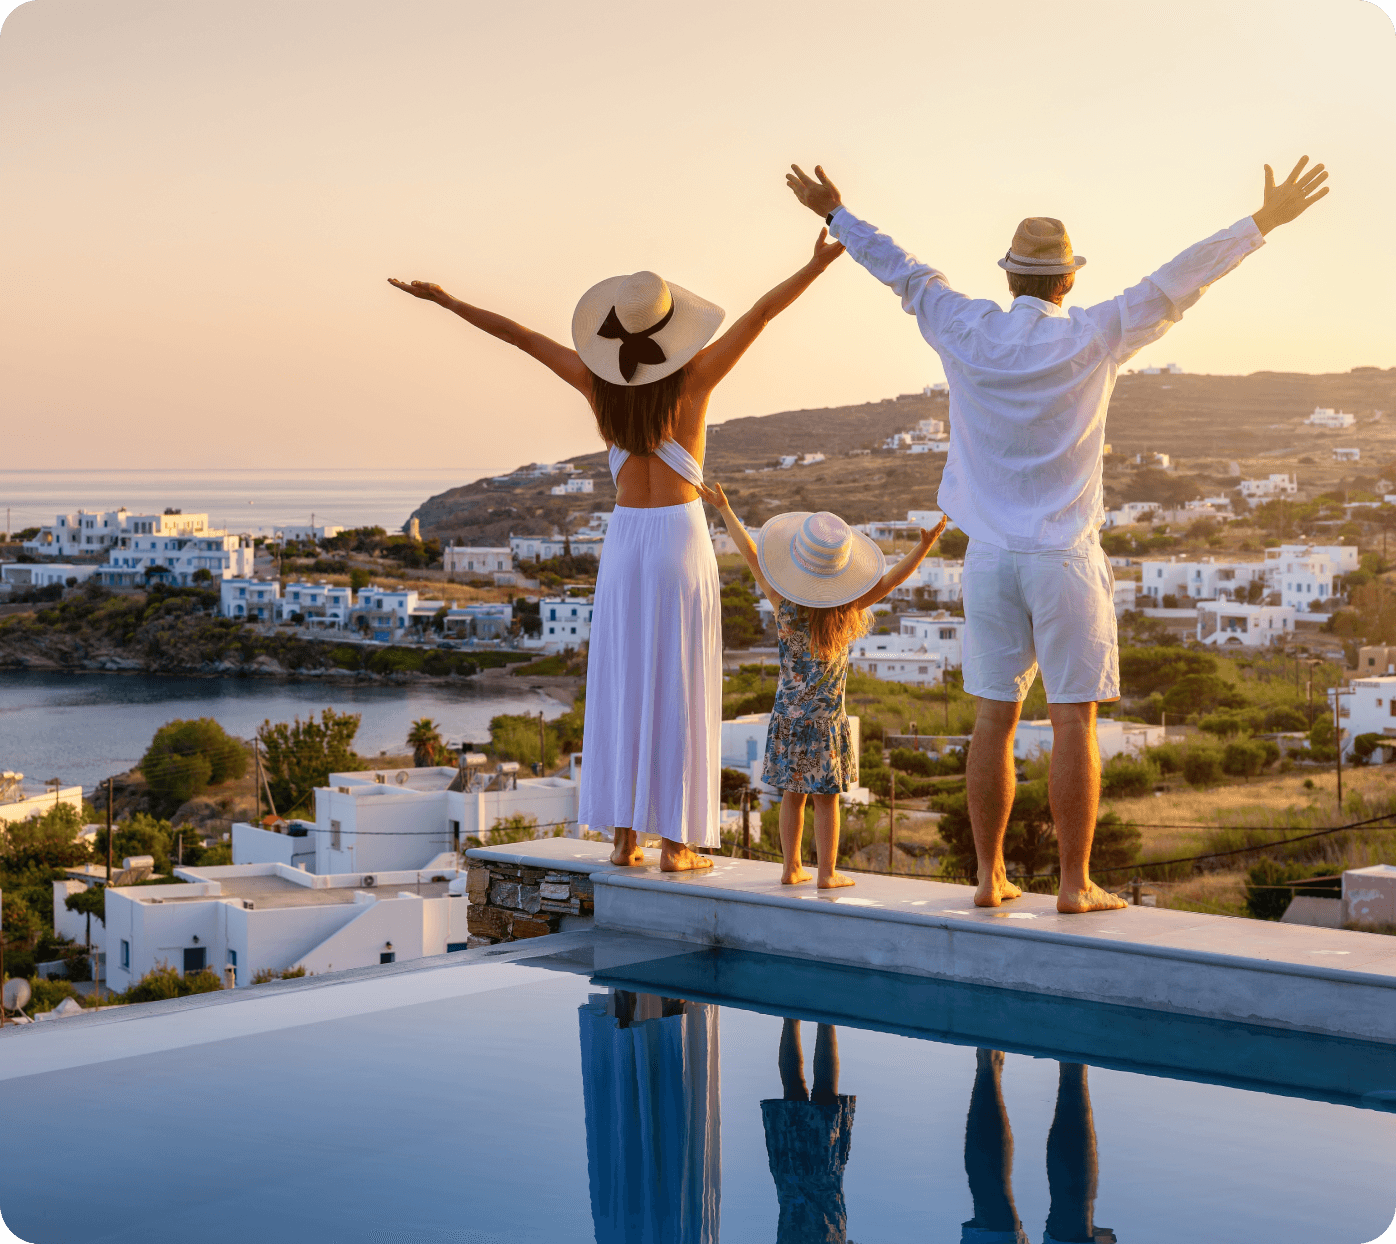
(1203, 422)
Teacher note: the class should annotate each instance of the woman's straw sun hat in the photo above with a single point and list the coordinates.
(817, 559)
(638, 329)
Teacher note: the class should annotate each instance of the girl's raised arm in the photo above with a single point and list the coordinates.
(558, 359)
(711, 364)
(901, 572)
(715, 497)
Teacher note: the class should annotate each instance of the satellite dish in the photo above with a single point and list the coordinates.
(17, 994)
(401, 778)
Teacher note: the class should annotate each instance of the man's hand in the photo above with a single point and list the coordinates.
(825, 252)
(1291, 197)
(821, 197)
(422, 289)
(928, 538)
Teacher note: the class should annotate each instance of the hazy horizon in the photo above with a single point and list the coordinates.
(205, 201)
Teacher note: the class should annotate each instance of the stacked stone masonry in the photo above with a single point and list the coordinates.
(512, 901)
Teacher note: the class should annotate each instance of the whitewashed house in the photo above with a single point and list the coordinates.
(1168, 369)
(1203, 578)
(320, 604)
(1306, 575)
(1115, 738)
(937, 579)
(743, 747)
(884, 657)
(566, 622)
(305, 533)
(480, 620)
(1370, 709)
(1327, 417)
(476, 559)
(83, 533)
(1132, 512)
(544, 548)
(388, 613)
(1279, 484)
(576, 486)
(255, 600)
(44, 574)
(1253, 626)
(173, 548)
(1347, 453)
(942, 633)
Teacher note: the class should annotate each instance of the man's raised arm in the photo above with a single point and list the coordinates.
(924, 292)
(1144, 312)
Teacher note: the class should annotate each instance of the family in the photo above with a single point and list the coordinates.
(1029, 390)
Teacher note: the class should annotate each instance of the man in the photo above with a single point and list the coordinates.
(1029, 388)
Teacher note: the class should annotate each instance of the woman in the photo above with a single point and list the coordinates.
(651, 738)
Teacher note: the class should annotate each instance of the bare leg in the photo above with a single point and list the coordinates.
(678, 857)
(1072, 1165)
(826, 1065)
(826, 842)
(989, 785)
(989, 1148)
(792, 1062)
(1073, 787)
(792, 831)
(626, 849)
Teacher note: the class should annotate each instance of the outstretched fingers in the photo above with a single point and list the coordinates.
(1295, 171)
(825, 182)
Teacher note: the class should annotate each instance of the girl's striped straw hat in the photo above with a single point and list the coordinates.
(818, 559)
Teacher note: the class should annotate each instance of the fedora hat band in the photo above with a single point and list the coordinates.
(1014, 257)
(638, 347)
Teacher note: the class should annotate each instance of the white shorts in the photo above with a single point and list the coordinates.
(1054, 611)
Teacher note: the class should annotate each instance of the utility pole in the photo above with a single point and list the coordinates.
(746, 822)
(892, 822)
(542, 747)
(1338, 741)
(257, 761)
(109, 830)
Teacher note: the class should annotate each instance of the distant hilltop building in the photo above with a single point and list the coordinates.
(1327, 417)
(476, 559)
(1348, 453)
(305, 533)
(1279, 484)
(793, 460)
(936, 390)
(578, 484)
(928, 436)
(144, 548)
(536, 470)
(1168, 369)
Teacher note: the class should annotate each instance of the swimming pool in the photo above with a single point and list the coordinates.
(544, 1096)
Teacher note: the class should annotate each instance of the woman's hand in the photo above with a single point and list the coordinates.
(825, 252)
(713, 494)
(422, 289)
(928, 538)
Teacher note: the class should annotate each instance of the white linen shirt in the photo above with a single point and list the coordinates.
(1029, 387)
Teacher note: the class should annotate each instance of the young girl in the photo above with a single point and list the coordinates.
(821, 576)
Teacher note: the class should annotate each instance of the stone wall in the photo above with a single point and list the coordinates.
(511, 901)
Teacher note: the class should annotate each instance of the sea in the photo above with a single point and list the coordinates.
(84, 727)
(254, 501)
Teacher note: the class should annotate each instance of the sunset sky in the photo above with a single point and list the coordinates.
(202, 200)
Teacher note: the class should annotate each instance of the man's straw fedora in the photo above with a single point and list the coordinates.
(1041, 247)
(638, 329)
(817, 559)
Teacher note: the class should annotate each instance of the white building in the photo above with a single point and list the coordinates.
(1126, 591)
(480, 620)
(1202, 579)
(942, 633)
(1370, 709)
(1348, 453)
(1152, 458)
(575, 486)
(893, 661)
(1254, 626)
(387, 613)
(1168, 369)
(1327, 417)
(938, 579)
(1115, 738)
(1306, 575)
(566, 622)
(1132, 512)
(305, 533)
(544, 548)
(476, 559)
(83, 533)
(251, 599)
(44, 574)
(1369, 895)
(16, 805)
(1281, 483)
(320, 604)
(1347, 557)
(173, 548)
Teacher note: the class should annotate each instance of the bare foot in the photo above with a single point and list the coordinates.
(678, 858)
(834, 880)
(1092, 898)
(997, 889)
(796, 875)
(635, 855)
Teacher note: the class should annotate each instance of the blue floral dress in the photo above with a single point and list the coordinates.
(809, 744)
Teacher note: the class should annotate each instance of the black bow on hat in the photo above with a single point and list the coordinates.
(635, 348)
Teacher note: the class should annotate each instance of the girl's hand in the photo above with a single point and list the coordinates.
(713, 494)
(928, 538)
(421, 289)
(825, 252)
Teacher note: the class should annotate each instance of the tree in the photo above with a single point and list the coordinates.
(952, 543)
(186, 757)
(741, 620)
(425, 741)
(358, 579)
(89, 902)
(301, 756)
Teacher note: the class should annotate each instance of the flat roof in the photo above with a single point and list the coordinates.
(278, 892)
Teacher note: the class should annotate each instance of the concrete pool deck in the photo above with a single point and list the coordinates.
(1328, 981)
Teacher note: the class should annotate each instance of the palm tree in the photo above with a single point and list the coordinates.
(425, 741)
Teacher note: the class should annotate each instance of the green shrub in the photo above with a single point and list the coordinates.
(1126, 776)
(1363, 746)
(47, 994)
(186, 757)
(756, 702)
(162, 981)
(909, 760)
(1202, 767)
(1243, 758)
(1167, 757)
(1283, 719)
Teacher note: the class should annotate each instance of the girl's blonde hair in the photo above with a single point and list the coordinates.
(831, 630)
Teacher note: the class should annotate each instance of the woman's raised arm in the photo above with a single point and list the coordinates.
(712, 363)
(556, 358)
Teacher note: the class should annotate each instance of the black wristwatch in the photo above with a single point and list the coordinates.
(829, 219)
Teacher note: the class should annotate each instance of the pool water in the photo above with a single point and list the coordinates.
(579, 1104)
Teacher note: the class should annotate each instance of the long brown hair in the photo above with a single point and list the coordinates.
(637, 416)
(831, 630)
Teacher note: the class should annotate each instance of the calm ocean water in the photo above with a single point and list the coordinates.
(245, 500)
(84, 727)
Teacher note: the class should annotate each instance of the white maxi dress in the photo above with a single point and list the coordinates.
(651, 743)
